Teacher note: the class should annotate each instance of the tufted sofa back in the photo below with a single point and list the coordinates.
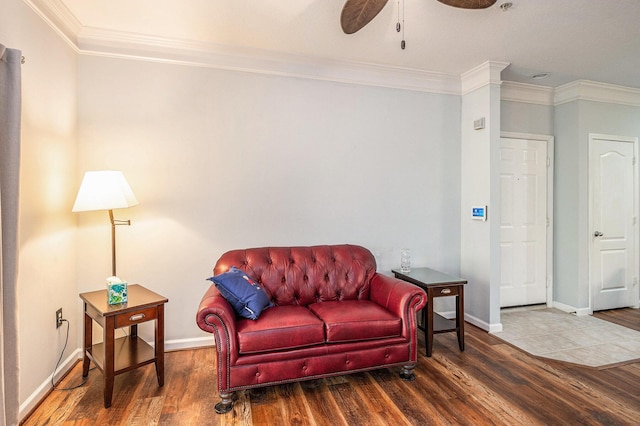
(305, 275)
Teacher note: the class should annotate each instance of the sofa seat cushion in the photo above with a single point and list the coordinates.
(353, 320)
(279, 328)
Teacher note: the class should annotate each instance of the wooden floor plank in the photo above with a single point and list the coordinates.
(490, 382)
(323, 407)
(377, 401)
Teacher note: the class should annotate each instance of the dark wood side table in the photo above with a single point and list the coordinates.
(116, 356)
(438, 284)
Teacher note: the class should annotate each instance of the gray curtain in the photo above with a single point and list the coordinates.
(10, 106)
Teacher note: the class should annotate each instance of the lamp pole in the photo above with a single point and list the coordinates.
(115, 222)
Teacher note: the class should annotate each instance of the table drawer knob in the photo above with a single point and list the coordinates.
(445, 291)
(136, 317)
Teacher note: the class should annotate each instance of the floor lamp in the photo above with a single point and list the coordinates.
(106, 190)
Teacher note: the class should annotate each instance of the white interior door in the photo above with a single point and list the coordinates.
(523, 222)
(613, 206)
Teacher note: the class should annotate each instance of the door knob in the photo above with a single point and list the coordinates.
(598, 234)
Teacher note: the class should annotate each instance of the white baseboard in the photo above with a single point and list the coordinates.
(43, 390)
(447, 314)
(495, 328)
(572, 309)
(491, 328)
(584, 312)
(193, 343)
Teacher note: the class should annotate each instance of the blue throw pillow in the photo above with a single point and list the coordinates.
(242, 292)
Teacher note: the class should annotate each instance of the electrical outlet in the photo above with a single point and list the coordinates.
(58, 317)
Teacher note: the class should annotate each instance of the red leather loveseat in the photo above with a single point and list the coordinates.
(332, 314)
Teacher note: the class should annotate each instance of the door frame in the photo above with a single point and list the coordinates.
(636, 211)
(550, 141)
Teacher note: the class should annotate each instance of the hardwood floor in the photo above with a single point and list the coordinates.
(489, 383)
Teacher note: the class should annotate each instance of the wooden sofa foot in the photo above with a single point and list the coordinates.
(407, 373)
(226, 402)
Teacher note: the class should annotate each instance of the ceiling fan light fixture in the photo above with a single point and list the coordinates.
(541, 75)
(469, 4)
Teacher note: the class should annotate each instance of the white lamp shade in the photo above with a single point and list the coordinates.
(104, 190)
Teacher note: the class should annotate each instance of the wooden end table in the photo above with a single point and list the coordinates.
(116, 356)
(438, 284)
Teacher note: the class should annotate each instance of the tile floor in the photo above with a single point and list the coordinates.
(584, 340)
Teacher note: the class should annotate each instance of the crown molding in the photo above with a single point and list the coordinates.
(578, 90)
(527, 93)
(485, 73)
(100, 42)
(59, 18)
(586, 90)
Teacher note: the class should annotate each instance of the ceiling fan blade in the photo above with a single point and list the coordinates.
(469, 4)
(358, 13)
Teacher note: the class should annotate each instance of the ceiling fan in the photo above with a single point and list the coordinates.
(358, 13)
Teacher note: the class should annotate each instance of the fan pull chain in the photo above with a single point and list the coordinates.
(399, 27)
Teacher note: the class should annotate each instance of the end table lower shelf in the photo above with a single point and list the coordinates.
(442, 324)
(131, 352)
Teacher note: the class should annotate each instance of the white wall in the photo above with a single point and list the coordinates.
(222, 160)
(480, 241)
(475, 255)
(529, 118)
(47, 263)
(566, 204)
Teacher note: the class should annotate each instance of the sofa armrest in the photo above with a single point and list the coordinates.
(215, 315)
(400, 297)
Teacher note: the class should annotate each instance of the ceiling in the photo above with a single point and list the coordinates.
(571, 39)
